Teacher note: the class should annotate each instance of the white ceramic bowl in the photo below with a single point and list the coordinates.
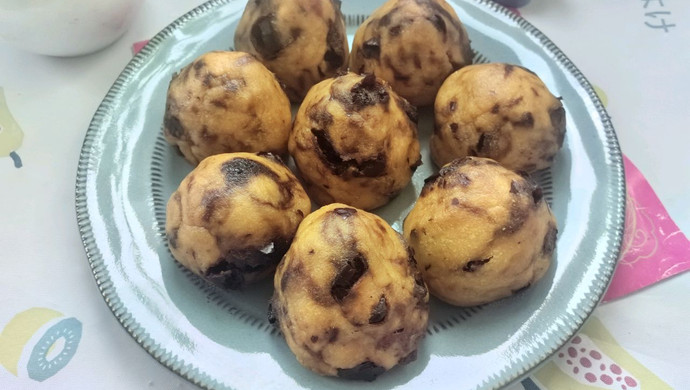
(64, 27)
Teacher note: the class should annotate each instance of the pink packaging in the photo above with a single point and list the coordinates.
(653, 246)
(137, 46)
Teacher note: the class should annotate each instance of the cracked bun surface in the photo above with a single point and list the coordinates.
(354, 141)
(412, 44)
(301, 41)
(226, 102)
(234, 216)
(500, 111)
(480, 232)
(348, 297)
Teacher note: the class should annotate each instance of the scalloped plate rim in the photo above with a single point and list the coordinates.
(192, 373)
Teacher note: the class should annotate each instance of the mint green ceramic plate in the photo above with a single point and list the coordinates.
(222, 340)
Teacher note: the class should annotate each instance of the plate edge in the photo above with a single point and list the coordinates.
(186, 370)
(615, 222)
(101, 275)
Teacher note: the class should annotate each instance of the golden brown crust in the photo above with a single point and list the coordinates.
(234, 216)
(499, 111)
(480, 232)
(226, 102)
(412, 44)
(355, 141)
(301, 41)
(348, 297)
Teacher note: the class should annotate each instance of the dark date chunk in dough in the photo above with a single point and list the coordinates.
(367, 168)
(474, 265)
(505, 232)
(378, 313)
(365, 371)
(368, 92)
(347, 295)
(230, 271)
(347, 276)
(265, 38)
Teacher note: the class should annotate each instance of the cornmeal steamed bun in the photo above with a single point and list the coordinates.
(234, 216)
(412, 44)
(301, 41)
(348, 297)
(226, 102)
(480, 232)
(354, 141)
(500, 111)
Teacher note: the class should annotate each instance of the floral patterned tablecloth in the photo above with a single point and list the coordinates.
(57, 333)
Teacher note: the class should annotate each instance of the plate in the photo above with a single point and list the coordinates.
(220, 339)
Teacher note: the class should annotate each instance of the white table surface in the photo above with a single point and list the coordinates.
(643, 71)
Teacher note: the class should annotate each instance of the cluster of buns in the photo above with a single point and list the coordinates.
(351, 294)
